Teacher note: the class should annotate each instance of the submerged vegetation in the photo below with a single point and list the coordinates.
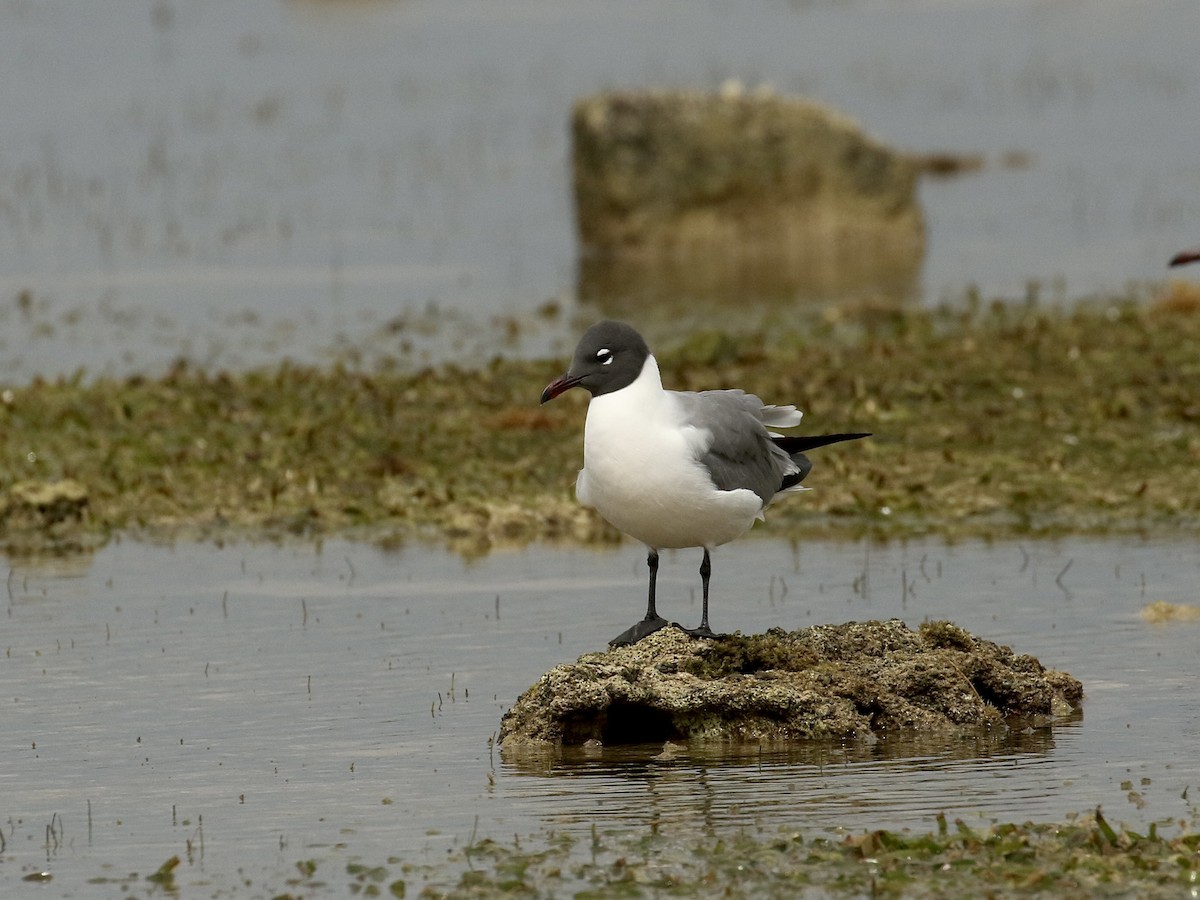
(990, 421)
(1087, 857)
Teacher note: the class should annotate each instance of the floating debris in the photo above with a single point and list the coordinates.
(1161, 612)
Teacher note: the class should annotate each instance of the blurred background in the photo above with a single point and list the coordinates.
(389, 180)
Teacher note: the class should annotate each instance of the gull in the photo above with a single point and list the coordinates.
(676, 469)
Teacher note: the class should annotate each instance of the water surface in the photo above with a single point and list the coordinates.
(232, 183)
(280, 703)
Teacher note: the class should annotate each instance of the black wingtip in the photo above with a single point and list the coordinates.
(800, 443)
(794, 446)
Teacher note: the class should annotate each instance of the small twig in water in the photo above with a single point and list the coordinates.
(54, 832)
(1059, 579)
(471, 843)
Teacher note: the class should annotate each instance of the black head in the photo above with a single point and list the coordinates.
(610, 356)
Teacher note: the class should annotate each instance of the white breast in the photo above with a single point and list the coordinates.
(641, 471)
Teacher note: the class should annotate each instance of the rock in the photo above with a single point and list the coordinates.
(42, 504)
(830, 681)
(37, 515)
(752, 190)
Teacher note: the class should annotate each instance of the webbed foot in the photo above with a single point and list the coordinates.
(704, 632)
(642, 629)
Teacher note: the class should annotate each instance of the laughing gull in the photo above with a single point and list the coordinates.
(676, 469)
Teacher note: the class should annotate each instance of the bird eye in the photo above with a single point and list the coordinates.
(604, 356)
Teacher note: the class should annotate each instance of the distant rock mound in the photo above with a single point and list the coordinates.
(712, 189)
(820, 682)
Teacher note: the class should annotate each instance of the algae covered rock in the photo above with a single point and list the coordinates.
(43, 515)
(828, 681)
(44, 503)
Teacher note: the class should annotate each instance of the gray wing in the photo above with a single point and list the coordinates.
(740, 454)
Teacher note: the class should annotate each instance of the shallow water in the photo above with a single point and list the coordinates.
(232, 183)
(260, 705)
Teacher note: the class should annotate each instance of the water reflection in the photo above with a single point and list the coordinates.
(22, 568)
(855, 784)
(736, 292)
(634, 759)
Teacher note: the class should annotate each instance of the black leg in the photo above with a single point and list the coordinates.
(705, 571)
(653, 620)
(652, 563)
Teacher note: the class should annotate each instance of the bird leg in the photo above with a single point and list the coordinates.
(653, 620)
(704, 631)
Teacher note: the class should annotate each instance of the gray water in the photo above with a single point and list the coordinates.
(232, 183)
(281, 703)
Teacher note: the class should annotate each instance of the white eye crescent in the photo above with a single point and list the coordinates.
(604, 356)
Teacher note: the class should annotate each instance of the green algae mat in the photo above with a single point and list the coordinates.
(1000, 421)
(1085, 858)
